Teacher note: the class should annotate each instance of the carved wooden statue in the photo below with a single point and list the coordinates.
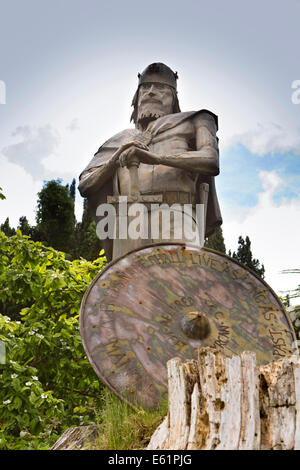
(154, 303)
(171, 152)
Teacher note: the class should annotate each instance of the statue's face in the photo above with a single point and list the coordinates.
(155, 100)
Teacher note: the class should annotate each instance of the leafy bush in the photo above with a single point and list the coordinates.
(47, 383)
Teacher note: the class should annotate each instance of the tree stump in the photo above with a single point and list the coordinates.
(78, 438)
(224, 403)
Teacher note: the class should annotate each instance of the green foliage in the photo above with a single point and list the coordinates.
(7, 229)
(47, 383)
(55, 216)
(86, 242)
(24, 226)
(73, 189)
(245, 257)
(123, 428)
(2, 195)
(216, 241)
(56, 224)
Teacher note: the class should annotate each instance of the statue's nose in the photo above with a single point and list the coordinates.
(151, 91)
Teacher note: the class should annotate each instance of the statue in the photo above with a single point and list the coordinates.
(171, 152)
(166, 300)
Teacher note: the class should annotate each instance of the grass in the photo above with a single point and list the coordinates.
(123, 428)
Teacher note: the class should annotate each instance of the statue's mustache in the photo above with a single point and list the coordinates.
(150, 101)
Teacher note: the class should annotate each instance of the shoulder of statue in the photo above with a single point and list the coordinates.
(107, 149)
(204, 115)
(172, 120)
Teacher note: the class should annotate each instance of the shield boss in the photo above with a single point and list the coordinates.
(166, 301)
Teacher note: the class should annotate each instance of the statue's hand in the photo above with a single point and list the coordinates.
(134, 154)
(132, 143)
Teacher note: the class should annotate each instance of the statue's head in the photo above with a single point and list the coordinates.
(156, 95)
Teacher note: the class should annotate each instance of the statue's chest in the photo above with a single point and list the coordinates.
(176, 140)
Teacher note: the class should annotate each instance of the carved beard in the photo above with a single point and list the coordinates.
(145, 116)
(145, 119)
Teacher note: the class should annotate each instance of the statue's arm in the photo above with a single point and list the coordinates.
(93, 179)
(205, 159)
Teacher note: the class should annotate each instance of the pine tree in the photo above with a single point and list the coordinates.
(216, 241)
(287, 301)
(7, 229)
(55, 216)
(73, 189)
(245, 257)
(86, 243)
(24, 226)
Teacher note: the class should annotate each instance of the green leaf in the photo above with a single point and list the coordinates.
(17, 403)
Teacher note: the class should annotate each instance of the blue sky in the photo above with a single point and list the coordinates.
(247, 185)
(70, 69)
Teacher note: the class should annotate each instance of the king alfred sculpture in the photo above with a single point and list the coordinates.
(171, 153)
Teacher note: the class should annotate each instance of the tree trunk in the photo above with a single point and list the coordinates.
(230, 403)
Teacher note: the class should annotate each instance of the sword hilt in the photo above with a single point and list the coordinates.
(134, 190)
(133, 168)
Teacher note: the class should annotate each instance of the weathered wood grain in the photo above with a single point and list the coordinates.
(230, 403)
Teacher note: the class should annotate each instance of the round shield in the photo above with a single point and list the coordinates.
(166, 301)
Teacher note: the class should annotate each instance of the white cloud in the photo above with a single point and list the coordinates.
(34, 145)
(268, 138)
(20, 190)
(273, 230)
(73, 126)
(45, 153)
(36, 154)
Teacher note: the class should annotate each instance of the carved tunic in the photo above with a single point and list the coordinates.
(156, 178)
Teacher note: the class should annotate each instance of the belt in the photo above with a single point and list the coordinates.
(173, 197)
